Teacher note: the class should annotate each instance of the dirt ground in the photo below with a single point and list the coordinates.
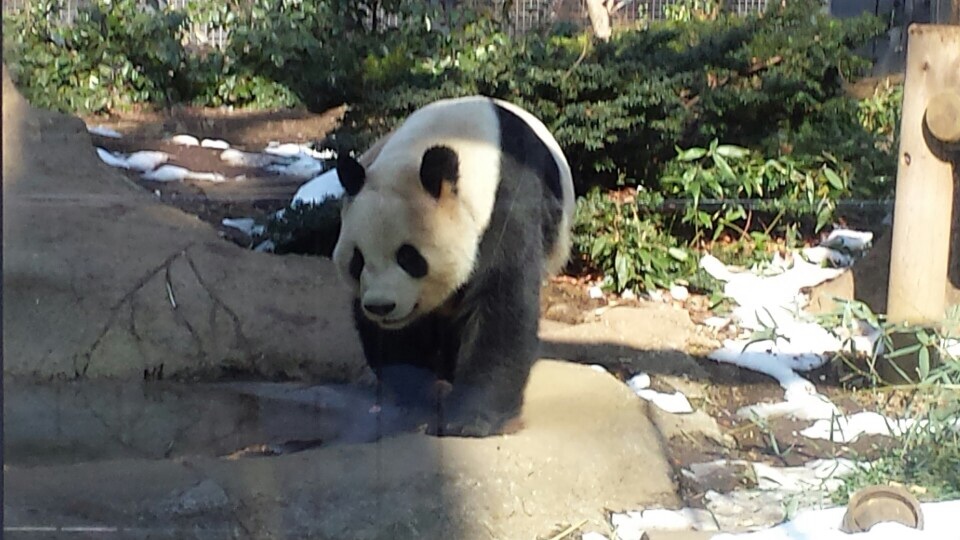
(724, 390)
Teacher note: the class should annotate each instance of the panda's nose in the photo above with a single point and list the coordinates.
(380, 309)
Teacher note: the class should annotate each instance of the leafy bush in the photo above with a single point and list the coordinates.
(279, 53)
(879, 114)
(630, 248)
(770, 83)
(310, 229)
(115, 54)
(735, 176)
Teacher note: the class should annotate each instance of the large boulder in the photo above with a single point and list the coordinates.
(587, 447)
(101, 280)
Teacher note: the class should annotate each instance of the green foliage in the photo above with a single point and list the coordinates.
(115, 54)
(927, 452)
(791, 186)
(879, 114)
(713, 191)
(648, 109)
(770, 83)
(687, 10)
(310, 229)
(631, 249)
(278, 53)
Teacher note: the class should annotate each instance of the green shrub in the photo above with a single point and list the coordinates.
(786, 186)
(879, 114)
(629, 247)
(114, 55)
(770, 83)
(307, 229)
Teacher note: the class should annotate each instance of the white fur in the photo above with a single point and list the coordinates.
(392, 208)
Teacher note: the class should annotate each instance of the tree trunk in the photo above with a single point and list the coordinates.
(599, 13)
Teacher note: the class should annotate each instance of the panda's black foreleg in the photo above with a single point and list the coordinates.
(498, 347)
(403, 360)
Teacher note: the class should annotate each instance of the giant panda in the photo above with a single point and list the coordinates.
(449, 226)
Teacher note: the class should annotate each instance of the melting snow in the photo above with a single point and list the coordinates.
(824, 524)
(111, 159)
(145, 160)
(245, 225)
(215, 143)
(104, 132)
(775, 302)
(239, 158)
(848, 239)
(679, 293)
(322, 187)
(302, 167)
(267, 246)
(174, 173)
(631, 525)
(184, 140)
(297, 150)
(673, 403)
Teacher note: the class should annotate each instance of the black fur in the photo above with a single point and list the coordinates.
(440, 164)
(412, 262)
(356, 264)
(484, 341)
(351, 174)
(520, 142)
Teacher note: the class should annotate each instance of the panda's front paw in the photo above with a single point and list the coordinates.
(475, 427)
(472, 422)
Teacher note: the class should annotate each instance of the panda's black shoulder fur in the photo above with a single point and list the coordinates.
(519, 141)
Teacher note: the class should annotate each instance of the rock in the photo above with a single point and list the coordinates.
(101, 280)
(721, 476)
(650, 338)
(205, 497)
(563, 312)
(687, 426)
(586, 447)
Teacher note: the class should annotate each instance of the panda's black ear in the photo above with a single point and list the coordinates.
(439, 164)
(351, 173)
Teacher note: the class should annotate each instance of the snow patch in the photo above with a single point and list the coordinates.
(824, 524)
(245, 225)
(104, 131)
(175, 173)
(632, 525)
(215, 144)
(323, 187)
(144, 160)
(676, 402)
(302, 167)
(184, 140)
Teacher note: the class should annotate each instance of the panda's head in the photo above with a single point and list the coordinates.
(407, 243)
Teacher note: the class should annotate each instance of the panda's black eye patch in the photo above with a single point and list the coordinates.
(412, 262)
(356, 264)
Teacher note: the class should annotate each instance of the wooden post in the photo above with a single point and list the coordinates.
(924, 199)
(922, 218)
